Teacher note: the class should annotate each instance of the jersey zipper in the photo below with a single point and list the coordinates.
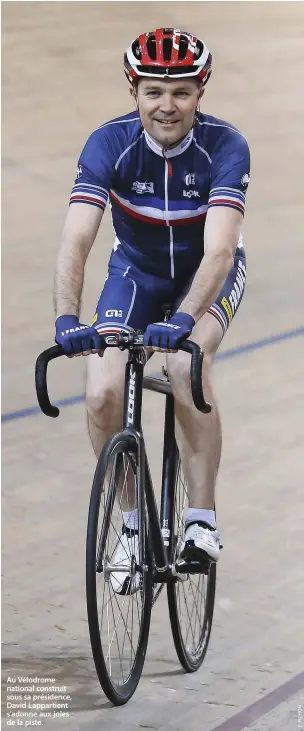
(168, 173)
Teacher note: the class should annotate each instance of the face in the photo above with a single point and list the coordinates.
(167, 108)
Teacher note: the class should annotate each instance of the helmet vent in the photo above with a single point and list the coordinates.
(183, 47)
(151, 47)
(167, 47)
(136, 50)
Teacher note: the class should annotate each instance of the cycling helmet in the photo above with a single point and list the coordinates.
(167, 53)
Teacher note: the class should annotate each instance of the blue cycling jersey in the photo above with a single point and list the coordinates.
(160, 197)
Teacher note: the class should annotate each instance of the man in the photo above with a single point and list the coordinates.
(177, 181)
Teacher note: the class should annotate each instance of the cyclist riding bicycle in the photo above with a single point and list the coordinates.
(177, 181)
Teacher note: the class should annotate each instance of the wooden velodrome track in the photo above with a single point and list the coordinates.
(62, 77)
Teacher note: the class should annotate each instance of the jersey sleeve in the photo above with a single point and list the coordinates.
(230, 171)
(95, 172)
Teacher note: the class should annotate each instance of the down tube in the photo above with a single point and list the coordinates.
(168, 474)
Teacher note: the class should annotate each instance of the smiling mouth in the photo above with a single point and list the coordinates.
(166, 122)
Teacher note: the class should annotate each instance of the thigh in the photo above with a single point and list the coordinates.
(130, 299)
(125, 304)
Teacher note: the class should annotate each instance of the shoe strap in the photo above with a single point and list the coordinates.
(202, 524)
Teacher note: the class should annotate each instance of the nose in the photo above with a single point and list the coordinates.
(167, 105)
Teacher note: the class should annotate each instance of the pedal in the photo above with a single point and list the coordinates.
(193, 567)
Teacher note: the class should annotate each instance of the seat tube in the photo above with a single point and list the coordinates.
(168, 473)
(133, 393)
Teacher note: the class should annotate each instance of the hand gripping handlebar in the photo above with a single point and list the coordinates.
(125, 341)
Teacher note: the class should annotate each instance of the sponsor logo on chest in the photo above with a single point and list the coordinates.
(191, 194)
(142, 188)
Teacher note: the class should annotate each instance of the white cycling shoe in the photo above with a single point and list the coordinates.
(201, 541)
(126, 554)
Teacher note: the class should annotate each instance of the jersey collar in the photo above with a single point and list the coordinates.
(171, 152)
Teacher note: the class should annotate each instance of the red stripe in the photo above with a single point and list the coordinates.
(158, 221)
(218, 201)
(77, 197)
(214, 313)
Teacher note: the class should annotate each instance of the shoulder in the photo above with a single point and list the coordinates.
(109, 141)
(217, 134)
(123, 129)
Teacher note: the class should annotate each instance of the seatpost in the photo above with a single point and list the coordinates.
(133, 392)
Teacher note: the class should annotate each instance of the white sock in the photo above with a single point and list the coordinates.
(130, 519)
(194, 515)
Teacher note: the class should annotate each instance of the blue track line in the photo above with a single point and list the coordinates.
(226, 355)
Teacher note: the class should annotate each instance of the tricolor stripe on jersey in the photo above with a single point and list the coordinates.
(231, 197)
(88, 193)
(147, 214)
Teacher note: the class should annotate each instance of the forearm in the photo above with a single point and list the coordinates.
(207, 283)
(69, 278)
(78, 236)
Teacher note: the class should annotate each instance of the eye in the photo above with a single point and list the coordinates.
(182, 94)
(153, 94)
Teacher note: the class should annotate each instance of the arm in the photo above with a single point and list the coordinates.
(79, 232)
(222, 230)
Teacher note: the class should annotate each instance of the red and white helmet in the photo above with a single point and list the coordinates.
(168, 53)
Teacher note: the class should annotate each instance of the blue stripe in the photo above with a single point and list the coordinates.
(226, 355)
(89, 189)
(225, 191)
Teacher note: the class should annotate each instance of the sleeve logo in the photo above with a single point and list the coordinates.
(245, 180)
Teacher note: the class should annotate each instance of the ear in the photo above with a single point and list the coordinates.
(133, 92)
(201, 92)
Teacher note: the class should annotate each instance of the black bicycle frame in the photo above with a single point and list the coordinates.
(132, 422)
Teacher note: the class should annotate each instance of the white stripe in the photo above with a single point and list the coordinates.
(171, 251)
(88, 196)
(127, 150)
(160, 215)
(231, 190)
(118, 121)
(227, 196)
(113, 326)
(132, 301)
(213, 124)
(91, 185)
(166, 193)
(202, 150)
(216, 309)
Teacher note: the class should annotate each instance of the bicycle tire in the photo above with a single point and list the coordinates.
(118, 693)
(190, 660)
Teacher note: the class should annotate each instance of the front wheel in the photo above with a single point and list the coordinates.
(118, 575)
(191, 597)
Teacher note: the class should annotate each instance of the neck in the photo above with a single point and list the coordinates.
(175, 149)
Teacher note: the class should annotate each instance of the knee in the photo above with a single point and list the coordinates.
(103, 400)
(179, 364)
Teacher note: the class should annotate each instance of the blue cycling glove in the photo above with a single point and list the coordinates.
(168, 335)
(74, 337)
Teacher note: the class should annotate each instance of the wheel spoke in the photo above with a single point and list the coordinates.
(120, 616)
(188, 598)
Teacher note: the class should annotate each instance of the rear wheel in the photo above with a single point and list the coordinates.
(191, 597)
(118, 622)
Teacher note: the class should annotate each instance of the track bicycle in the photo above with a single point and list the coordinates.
(119, 623)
